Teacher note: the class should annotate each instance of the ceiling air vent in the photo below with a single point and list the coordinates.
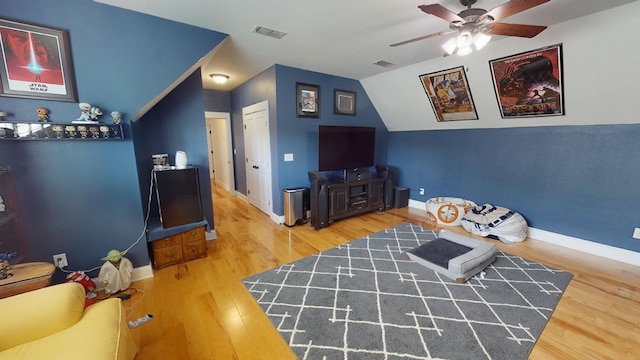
(268, 32)
(383, 63)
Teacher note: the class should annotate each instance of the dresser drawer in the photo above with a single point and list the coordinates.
(167, 255)
(168, 241)
(194, 249)
(193, 234)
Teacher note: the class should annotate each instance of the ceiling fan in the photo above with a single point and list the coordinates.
(475, 25)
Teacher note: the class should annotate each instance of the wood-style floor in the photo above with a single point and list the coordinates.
(202, 311)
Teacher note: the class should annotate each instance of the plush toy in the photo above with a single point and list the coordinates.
(4, 270)
(43, 114)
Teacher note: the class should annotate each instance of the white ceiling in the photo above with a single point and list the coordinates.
(337, 37)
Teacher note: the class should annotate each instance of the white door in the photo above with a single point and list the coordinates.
(210, 142)
(255, 119)
(220, 149)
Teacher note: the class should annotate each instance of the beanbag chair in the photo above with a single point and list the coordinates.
(496, 222)
(447, 211)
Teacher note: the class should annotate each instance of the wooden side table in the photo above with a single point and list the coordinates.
(26, 277)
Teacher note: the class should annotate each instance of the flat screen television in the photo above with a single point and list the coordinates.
(345, 147)
(178, 193)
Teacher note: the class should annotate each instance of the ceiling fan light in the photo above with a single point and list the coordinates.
(480, 40)
(465, 39)
(219, 78)
(464, 51)
(450, 46)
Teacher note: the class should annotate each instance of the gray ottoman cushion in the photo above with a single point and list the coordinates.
(456, 256)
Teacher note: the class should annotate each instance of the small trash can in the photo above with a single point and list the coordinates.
(296, 205)
(400, 197)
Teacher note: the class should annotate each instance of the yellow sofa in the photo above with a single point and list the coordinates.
(52, 323)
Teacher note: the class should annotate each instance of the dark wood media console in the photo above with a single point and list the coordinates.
(355, 192)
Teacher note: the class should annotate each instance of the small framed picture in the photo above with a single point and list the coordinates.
(308, 100)
(344, 102)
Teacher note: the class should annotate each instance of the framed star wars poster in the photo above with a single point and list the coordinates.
(529, 84)
(449, 94)
(35, 62)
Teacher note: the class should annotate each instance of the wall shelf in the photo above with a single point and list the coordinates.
(12, 130)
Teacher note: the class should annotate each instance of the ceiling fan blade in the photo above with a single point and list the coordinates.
(526, 31)
(511, 7)
(422, 38)
(441, 12)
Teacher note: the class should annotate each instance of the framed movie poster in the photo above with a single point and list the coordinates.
(529, 84)
(35, 62)
(449, 94)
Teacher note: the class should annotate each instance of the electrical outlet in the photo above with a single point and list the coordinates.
(421, 191)
(636, 233)
(60, 260)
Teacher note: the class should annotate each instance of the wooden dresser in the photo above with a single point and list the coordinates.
(179, 247)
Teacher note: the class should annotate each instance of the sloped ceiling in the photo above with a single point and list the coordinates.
(337, 37)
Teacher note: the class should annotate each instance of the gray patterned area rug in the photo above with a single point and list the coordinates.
(365, 300)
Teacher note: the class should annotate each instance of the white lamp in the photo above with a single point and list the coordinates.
(219, 78)
(181, 160)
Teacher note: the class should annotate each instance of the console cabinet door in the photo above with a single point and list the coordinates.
(338, 201)
(376, 195)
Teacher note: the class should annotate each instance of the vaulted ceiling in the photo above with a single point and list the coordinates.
(338, 37)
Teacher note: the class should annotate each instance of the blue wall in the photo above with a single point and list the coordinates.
(175, 123)
(216, 100)
(83, 198)
(579, 181)
(292, 134)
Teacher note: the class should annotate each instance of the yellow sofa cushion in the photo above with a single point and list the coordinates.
(52, 323)
(36, 314)
(102, 333)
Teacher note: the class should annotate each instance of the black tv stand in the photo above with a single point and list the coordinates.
(355, 192)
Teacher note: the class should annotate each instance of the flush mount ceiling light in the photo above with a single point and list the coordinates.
(219, 78)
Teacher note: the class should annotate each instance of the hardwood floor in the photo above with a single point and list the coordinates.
(202, 311)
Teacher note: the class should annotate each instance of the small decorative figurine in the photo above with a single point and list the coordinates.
(115, 273)
(95, 133)
(105, 131)
(85, 115)
(58, 131)
(84, 132)
(95, 113)
(43, 114)
(116, 116)
(4, 270)
(3, 208)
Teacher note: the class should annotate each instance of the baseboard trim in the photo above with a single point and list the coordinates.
(139, 273)
(142, 272)
(586, 246)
